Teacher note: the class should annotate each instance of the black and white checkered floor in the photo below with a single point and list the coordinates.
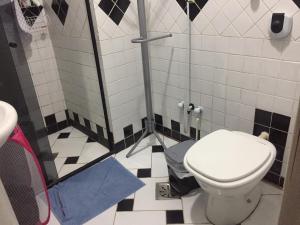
(141, 208)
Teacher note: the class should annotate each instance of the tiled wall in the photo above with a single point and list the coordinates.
(41, 59)
(70, 35)
(117, 24)
(235, 67)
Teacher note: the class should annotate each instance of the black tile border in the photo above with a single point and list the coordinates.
(100, 79)
(86, 129)
(277, 126)
(125, 205)
(52, 126)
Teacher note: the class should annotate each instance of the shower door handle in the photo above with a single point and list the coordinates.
(142, 40)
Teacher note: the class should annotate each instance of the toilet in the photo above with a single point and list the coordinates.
(228, 165)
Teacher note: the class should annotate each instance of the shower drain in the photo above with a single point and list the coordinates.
(163, 191)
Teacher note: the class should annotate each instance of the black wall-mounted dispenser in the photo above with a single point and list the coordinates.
(281, 25)
(277, 22)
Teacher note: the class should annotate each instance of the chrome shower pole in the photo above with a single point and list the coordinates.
(143, 40)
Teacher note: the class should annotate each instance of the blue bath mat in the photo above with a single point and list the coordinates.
(89, 193)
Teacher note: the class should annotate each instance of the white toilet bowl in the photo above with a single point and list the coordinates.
(228, 166)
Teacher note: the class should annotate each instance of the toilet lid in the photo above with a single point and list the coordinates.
(227, 156)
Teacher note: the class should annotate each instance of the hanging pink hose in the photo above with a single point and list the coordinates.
(22, 177)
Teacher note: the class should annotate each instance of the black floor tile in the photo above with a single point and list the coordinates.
(89, 140)
(71, 160)
(125, 205)
(63, 135)
(143, 173)
(157, 148)
(174, 216)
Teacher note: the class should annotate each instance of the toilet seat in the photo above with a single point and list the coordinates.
(220, 158)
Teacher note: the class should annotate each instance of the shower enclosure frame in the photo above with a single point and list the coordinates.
(143, 40)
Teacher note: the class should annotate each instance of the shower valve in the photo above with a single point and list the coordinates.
(191, 108)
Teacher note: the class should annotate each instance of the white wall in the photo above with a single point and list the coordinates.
(42, 64)
(121, 67)
(235, 66)
(76, 63)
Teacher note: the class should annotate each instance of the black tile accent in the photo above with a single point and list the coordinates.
(167, 132)
(194, 11)
(280, 122)
(143, 173)
(76, 117)
(174, 216)
(144, 122)
(87, 123)
(272, 177)
(125, 205)
(137, 135)
(60, 7)
(106, 6)
(157, 148)
(297, 2)
(263, 117)
(119, 146)
(280, 152)
(159, 128)
(90, 140)
(158, 119)
(201, 3)
(182, 3)
(63, 124)
(281, 181)
(55, 6)
(129, 141)
(116, 15)
(184, 138)
(67, 115)
(63, 135)
(176, 135)
(115, 9)
(195, 8)
(71, 160)
(123, 5)
(276, 167)
(175, 126)
(50, 120)
(278, 137)
(128, 131)
(52, 129)
(100, 131)
(259, 128)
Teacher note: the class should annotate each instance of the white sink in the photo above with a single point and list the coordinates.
(8, 121)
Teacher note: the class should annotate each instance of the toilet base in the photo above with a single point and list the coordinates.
(224, 210)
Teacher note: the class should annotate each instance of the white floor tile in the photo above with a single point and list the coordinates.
(105, 218)
(76, 134)
(69, 146)
(269, 189)
(92, 151)
(140, 159)
(194, 207)
(52, 138)
(145, 197)
(141, 218)
(68, 168)
(59, 162)
(159, 165)
(267, 212)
